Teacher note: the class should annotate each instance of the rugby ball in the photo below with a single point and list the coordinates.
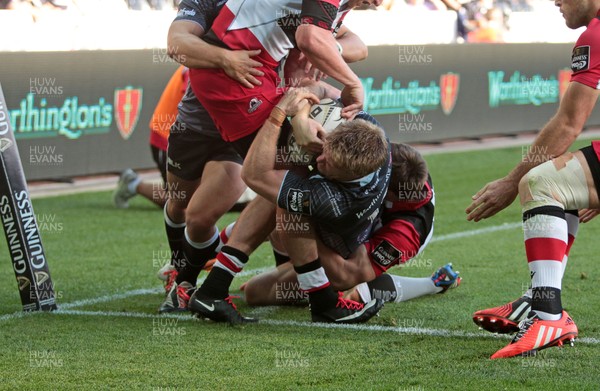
(328, 113)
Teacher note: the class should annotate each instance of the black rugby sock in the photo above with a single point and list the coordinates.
(196, 255)
(175, 238)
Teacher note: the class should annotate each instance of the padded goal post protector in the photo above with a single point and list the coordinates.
(20, 226)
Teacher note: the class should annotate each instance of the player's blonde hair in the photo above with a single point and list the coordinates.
(359, 147)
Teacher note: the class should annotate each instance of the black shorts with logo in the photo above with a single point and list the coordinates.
(189, 151)
(242, 145)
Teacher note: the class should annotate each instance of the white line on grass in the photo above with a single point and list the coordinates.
(292, 323)
(119, 296)
(140, 292)
(464, 234)
(65, 308)
(14, 315)
(261, 312)
(108, 298)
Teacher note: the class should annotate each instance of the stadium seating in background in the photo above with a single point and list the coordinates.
(540, 26)
(407, 27)
(109, 24)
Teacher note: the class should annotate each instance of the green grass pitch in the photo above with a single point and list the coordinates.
(109, 337)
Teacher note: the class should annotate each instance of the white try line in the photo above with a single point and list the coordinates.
(66, 308)
(139, 292)
(113, 297)
(292, 323)
(120, 296)
(465, 234)
(14, 315)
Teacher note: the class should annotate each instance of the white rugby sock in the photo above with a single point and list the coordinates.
(409, 288)
(394, 288)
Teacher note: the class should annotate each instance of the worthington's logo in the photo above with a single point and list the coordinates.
(71, 118)
(521, 90)
(393, 98)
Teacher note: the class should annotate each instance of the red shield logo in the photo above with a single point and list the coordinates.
(564, 78)
(128, 104)
(449, 84)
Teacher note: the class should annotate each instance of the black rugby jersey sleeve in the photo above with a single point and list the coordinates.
(321, 13)
(202, 12)
(311, 197)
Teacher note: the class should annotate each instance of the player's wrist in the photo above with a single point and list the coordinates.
(277, 116)
(513, 183)
(223, 59)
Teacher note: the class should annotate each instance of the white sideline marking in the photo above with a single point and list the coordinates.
(464, 234)
(359, 327)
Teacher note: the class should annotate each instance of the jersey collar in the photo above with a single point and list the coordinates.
(362, 181)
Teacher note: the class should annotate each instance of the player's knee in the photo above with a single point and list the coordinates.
(545, 186)
(175, 211)
(524, 193)
(200, 222)
(253, 293)
(250, 293)
(536, 188)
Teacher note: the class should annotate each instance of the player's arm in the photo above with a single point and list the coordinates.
(346, 273)
(585, 215)
(319, 46)
(308, 133)
(553, 140)
(296, 75)
(187, 48)
(353, 48)
(298, 70)
(258, 170)
(350, 46)
(394, 243)
(315, 40)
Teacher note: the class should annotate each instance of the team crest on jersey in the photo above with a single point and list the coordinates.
(385, 254)
(253, 106)
(580, 60)
(298, 201)
(128, 104)
(449, 84)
